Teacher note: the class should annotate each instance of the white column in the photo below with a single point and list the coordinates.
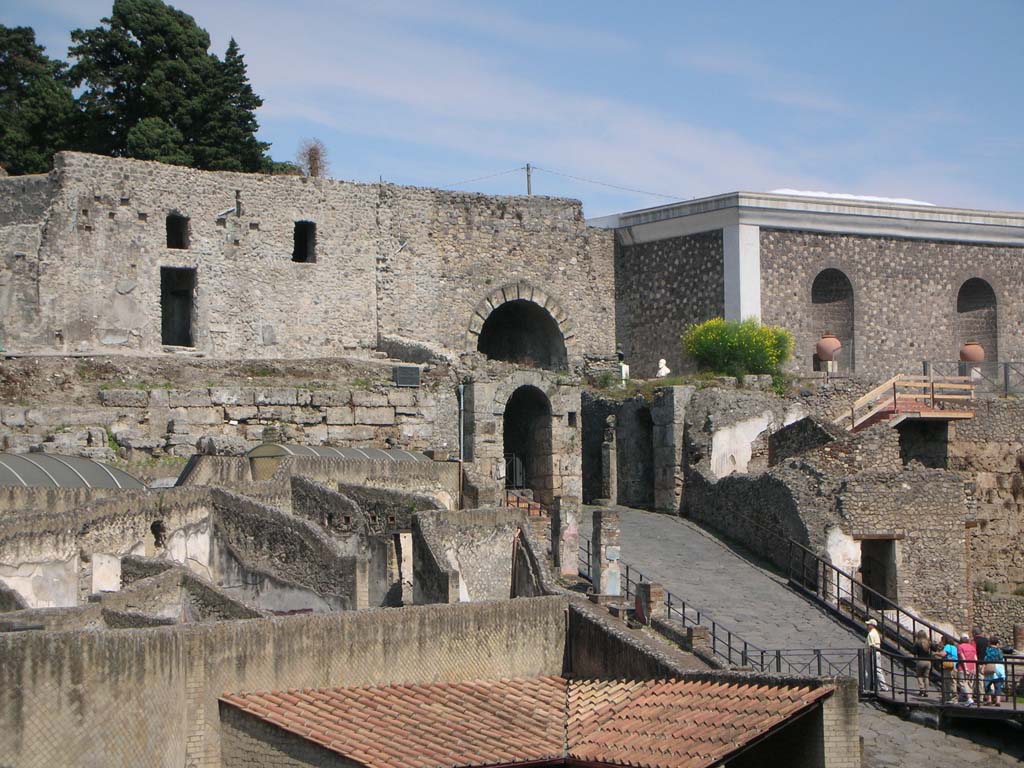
(742, 251)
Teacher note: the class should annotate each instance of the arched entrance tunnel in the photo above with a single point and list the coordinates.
(523, 332)
(526, 438)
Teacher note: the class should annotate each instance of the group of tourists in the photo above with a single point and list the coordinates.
(973, 670)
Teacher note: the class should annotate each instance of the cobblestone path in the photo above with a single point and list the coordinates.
(757, 604)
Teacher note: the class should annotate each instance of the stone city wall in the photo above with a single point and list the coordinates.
(83, 256)
(149, 696)
(904, 295)
(661, 288)
(138, 424)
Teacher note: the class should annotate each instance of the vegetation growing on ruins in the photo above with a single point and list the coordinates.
(738, 348)
(147, 87)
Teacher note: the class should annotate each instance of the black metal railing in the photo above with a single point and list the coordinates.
(996, 378)
(727, 644)
(997, 688)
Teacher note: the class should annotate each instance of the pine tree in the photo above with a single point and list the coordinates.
(228, 140)
(152, 90)
(35, 103)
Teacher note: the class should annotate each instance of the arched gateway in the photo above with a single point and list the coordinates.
(527, 443)
(521, 324)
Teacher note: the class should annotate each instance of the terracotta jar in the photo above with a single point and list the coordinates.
(972, 352)
(827, 347)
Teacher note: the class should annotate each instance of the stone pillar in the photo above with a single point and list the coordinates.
(565, 535)
(741, 244)
(1018, 638)
(605, 552)
(650, 601)
(362, 584)
(609, 465)
(668, 412)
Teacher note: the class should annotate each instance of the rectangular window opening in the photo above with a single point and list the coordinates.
(304, 248)
(177, 231)
(177, 305)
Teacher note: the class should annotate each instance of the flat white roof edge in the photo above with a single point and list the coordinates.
(794, 206)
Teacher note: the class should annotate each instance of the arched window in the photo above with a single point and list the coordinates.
(832, 312)
(521, 331)
(977, 318)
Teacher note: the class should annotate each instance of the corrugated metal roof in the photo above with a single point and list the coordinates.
(278, 450)
(44, 470)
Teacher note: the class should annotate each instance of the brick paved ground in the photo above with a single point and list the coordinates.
(757, 604)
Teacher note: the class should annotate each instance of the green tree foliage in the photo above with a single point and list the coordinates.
(35, 103)
(735, 348)
(151, 89)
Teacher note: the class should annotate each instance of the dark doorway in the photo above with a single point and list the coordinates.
(878, 571)
(634, 443)
(177, 231)
(523, 332)
(924, 442)
(304, 242)
(177, 305)
(527, 442)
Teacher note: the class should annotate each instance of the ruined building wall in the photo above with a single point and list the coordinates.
(904, 295)
(661, 288)
(92, 239)
(149, 697)
(988, 451)
(443, 255)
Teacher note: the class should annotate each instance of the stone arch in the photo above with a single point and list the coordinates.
(522, 324)
(527, 443)
(832, 311)
(977, 316)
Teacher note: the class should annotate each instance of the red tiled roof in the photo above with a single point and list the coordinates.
(643, 723)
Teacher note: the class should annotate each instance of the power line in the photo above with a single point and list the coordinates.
(606, 184)
(482, 178)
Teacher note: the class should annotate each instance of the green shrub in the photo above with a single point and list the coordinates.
(738, 348)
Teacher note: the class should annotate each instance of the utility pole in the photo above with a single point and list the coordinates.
(529, 179)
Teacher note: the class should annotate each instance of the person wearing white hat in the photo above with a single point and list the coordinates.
(874, 644)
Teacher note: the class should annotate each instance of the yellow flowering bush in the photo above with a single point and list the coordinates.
(737, 348)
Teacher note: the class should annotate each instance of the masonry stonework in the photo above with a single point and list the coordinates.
(904, 295)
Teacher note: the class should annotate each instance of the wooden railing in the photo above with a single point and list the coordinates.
(907, 394)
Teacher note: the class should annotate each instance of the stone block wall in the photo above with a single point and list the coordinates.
(661, 288)
(141, 424)
(82, 251)
(904, 293)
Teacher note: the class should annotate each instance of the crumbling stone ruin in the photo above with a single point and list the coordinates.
(353, 428)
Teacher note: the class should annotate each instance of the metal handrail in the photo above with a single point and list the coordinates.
(950, 685)
(1004, 377)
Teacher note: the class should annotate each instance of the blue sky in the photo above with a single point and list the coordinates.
(909, 99)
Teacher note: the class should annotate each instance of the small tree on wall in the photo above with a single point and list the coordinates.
(312, 158)
(738, 348)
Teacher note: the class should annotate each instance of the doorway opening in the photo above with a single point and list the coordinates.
(177, 306)
(878, 571)
(526, 437)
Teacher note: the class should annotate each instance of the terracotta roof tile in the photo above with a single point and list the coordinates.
(644, 723)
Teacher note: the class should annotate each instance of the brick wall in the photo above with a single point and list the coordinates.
(134, 697)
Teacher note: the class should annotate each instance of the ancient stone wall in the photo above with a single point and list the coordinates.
(904, 295)
(661, 288)
(149, 697)
(988, 451)
(386, 262)
(136, 424)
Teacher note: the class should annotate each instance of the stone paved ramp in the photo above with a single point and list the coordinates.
(758, 605)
